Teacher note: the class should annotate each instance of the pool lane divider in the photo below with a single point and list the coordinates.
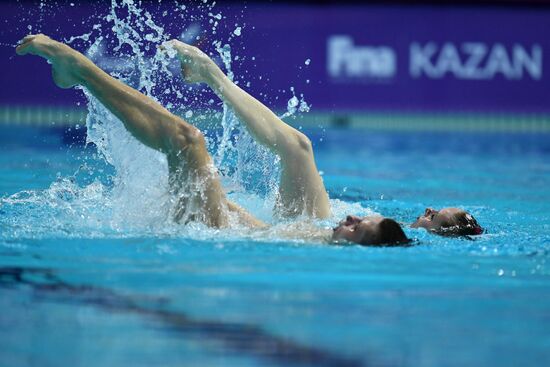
(68, 117)
(42, 116)
(236, 337)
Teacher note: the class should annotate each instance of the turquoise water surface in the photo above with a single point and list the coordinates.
(83, 282)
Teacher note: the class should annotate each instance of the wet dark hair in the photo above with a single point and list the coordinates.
(391, 234)
(465, 225)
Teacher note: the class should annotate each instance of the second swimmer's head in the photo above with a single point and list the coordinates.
(448, 222)
(373, 230)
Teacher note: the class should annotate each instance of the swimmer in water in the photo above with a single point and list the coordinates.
(448, 222)
(192, 175)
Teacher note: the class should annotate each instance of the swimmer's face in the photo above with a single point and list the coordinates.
(454, 219)
(371, 230)
(357, 229)
(434, 220)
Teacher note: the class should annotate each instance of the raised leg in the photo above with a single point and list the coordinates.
(301, 188)
(147, 121)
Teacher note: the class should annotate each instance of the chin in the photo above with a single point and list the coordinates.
(337, 237)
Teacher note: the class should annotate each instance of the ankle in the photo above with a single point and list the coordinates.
(215, 78)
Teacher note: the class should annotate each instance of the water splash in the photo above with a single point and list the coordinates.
(295, 105)
(135, 198)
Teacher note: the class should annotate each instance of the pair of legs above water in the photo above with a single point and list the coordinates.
(194, 179)
(301, 190)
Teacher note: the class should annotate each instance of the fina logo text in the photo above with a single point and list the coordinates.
(345, 60)
(465, 61)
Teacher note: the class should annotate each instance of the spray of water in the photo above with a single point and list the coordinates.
(135, 199)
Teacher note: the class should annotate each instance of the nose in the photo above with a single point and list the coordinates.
(350, 219)
(429, 211)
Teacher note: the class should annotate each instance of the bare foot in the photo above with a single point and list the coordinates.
(196, 66)
(64, 60)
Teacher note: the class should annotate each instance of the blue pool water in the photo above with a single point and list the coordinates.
(84, 284)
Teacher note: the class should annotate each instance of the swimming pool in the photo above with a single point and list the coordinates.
(116, 292)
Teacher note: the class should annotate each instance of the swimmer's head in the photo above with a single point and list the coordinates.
(372, 230)
(448, 222)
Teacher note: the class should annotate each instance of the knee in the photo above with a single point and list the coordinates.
(303, 142)
(182, 136)
(188, 134)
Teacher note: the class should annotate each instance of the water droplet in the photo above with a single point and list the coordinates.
(215, 16)
(293, 102)
(237, 31)
(307, 62)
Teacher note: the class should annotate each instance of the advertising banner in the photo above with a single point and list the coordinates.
(335, 58)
